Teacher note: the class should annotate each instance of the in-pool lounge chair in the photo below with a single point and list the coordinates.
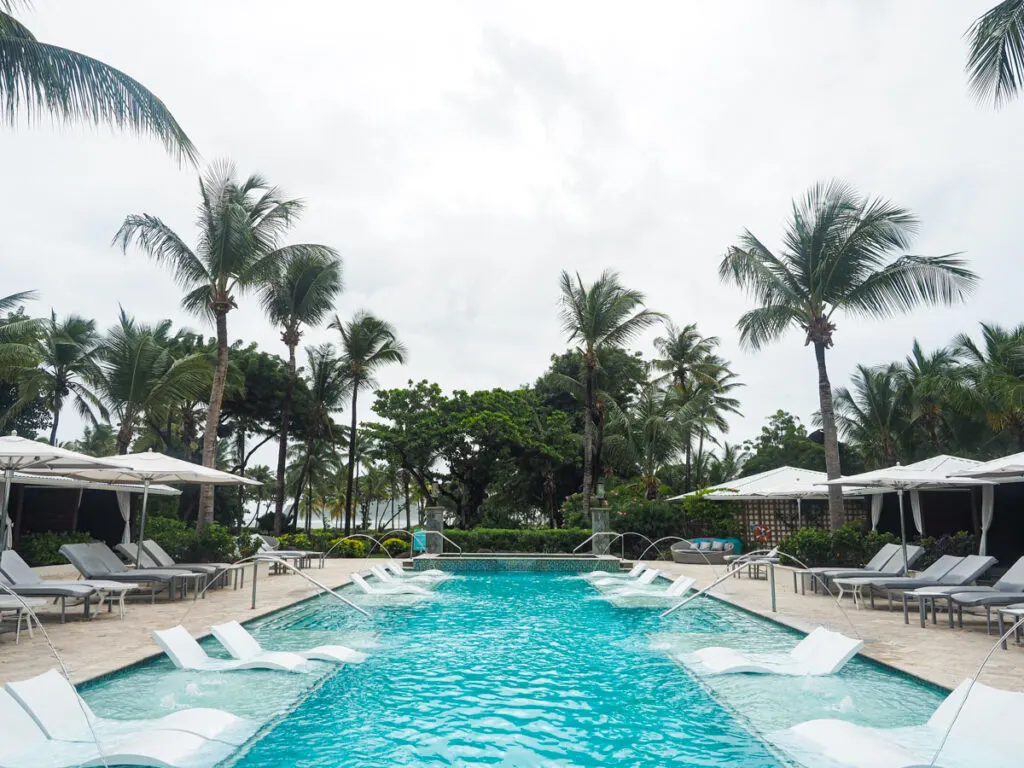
(633, 573)
(21, 575)
(677, 588)
(386, 589)
(395, 569)
(985, 733)
(182, 649)
(23, 744)
(645, 578)
(64, 715)
(59, 593)
(386, 577)
(1010, 585)
(98, 561)
(817, 575)
(243, 646)
(822, 652)
(929, 577)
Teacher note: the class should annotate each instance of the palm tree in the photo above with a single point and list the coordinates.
(995, 372)
(725, 464)
(872, 416)
(302, 294)
(64, 366)
(602, 315)
(685, 356)
(367, 345)
(137, 375)
(995, 64)
(240, 229)
(703, 412)
(17, 332)
(837, 254)
(646, 437)
(37, 77)
(930, 384)
(98, 440)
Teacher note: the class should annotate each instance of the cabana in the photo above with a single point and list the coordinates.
(751, 488)
(1008, 469)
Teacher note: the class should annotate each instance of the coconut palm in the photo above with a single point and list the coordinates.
(602, 315)
(871, 415)
(367, 345)
(994, 371)
(930, 383)
(137, 375)
(37, 77)
(239, 249)
(838, 254)
(685, 356)
(65, 367)
(704, 412)
(725, 464)
(995, 64)
(302, 294)
(646, 437)
(98, 440)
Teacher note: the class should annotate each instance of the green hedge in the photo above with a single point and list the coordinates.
(540, 540)
(325, 541)
(42, 548)
(215, 544)
(848, 546)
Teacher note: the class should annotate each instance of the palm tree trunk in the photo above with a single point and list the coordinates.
(220, 376)
(408, 512)
(282, 448)
(588, 439)
(351, 460)
(836, 516)
(56, 421)
(124, 437)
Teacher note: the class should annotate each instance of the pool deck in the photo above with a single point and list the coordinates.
(107, 643)
(935, 653)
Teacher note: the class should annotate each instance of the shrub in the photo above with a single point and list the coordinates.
(396, 547)
(541, 540)
(176, 538)
(179, 540)
(960, 544)
(849, 546)
(42, 548)
(214, 544)
(349, 548)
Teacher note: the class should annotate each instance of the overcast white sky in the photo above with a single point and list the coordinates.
(460, 155)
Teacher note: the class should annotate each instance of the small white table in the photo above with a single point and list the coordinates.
(1015, 613)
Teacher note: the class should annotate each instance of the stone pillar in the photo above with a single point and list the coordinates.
(601, 524)
(434, 521)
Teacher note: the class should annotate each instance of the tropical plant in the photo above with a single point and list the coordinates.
(995, 64)
(37, 77)
(646, 438)
(994, 370)
(367, 345)
(929, 385)
(137, 375)
(238, 249)
(302, 294)
(602, 315)
(725, 464)
(64, 367)
(837, 255)
(98, 440)
(872, 415)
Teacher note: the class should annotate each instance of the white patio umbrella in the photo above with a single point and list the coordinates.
(900, 479)
(1008, 469)
(19, 453)
(153, 467)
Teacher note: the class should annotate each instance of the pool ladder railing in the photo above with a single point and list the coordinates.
(758, 556)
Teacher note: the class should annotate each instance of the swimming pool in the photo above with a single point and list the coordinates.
(517, 669)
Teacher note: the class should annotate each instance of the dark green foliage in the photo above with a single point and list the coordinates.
(29, 421)
(960, 544)
(396, 547)
(42, 548)
(848, 546)
(715, 519)
(214, 544)
(541, 540)
(325, 541)
(784, 443)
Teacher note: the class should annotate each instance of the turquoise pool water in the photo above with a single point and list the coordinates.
(517, 669)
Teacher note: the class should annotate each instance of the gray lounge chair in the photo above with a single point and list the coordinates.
(892, 568)
(881, 557)
(929, 577)
(60, 594)
(213, 571)
(129, 552)
(20, 573)
(98, 561)
(968, 571)
(1007, 590)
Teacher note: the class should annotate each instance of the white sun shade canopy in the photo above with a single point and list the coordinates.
(1007, 469)
(158, 467)
(780, 483)
(19, 453)
(929, 474)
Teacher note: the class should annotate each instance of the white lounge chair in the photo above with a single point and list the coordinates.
(386, 589)
(386, 577)
(822, 652)
(435, 574)
(986, 732)
(647, 577)
(633, 573)
(677, 588)
(23, 744)
(186, 653)
(63, 715)
(243, 646)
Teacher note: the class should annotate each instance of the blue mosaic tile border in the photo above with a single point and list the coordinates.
(551, 564)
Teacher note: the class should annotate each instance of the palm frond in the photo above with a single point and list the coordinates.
(763, 325)
(36, 77)
(910, 281)
(995, 65)
(164, 246)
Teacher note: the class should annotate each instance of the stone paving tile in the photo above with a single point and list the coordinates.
(936, 653)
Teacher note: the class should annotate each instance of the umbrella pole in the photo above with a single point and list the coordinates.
(903, 533)
(142, 521)
(799, 514)
(8, 478)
